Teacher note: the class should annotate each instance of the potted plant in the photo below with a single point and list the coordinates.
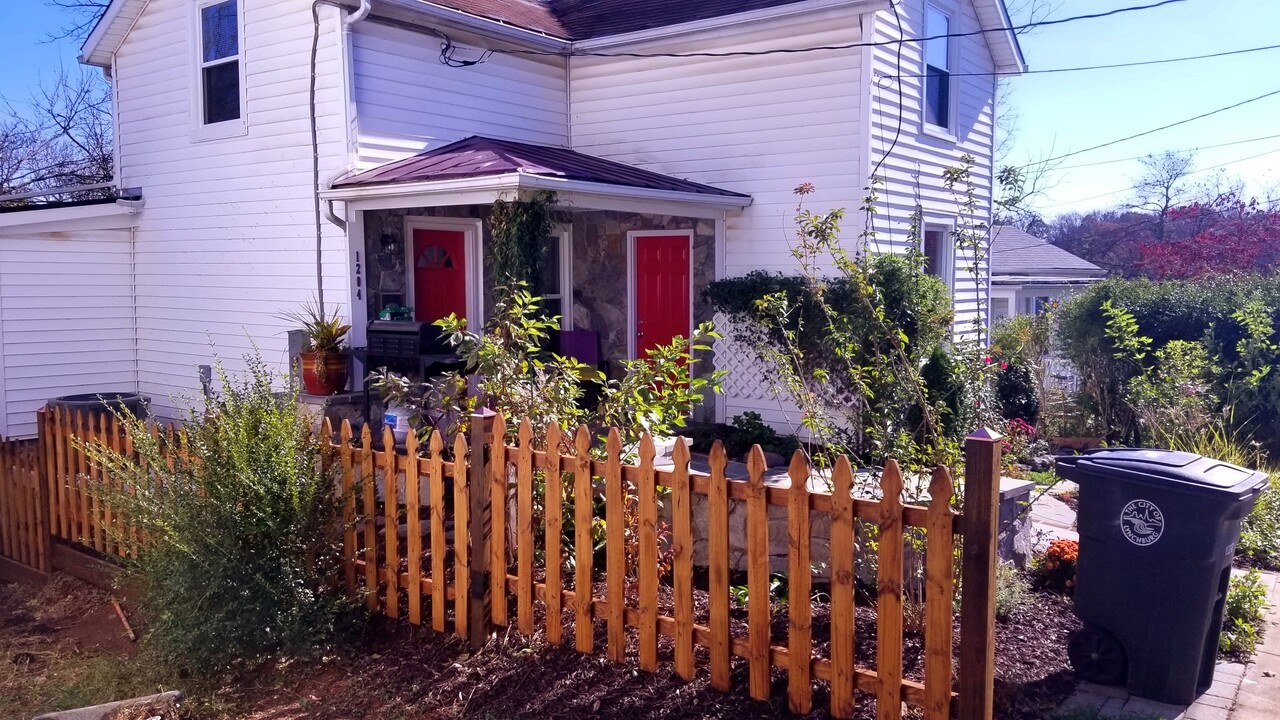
(324, 361)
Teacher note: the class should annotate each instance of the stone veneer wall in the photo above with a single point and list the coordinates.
(600, 292)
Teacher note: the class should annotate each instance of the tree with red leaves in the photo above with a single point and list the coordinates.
(1226, 235)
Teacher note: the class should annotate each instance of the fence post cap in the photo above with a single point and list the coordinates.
(985, 434)
(483, 412)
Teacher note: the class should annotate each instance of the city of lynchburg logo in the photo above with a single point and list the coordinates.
(1142, 522)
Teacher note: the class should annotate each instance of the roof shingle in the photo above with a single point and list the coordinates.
(1015, 252)
(485, 157)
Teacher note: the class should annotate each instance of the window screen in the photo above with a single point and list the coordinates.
(937, 94)
(550, 286)
(935, 242)
(220, 61)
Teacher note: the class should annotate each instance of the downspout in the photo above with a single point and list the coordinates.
(353, 18)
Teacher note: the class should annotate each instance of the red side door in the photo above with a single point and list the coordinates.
(663, 303)
(439, 274)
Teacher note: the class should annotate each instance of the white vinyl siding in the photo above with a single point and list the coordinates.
(758, 125)
(913, 171)
(407, 101)
(66, 321)
(227, 239)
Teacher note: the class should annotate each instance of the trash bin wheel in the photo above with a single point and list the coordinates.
(1097, 656)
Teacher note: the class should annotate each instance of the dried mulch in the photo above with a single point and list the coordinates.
(399, 671)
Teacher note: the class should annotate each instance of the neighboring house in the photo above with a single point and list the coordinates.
(672, 171)
(1028, 273)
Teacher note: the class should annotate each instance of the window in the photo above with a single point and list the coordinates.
(555, 287)
(939, 255)
(219, 62)
(937, 53)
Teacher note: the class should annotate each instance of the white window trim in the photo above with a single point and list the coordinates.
(200, 132)
(632, 236)
(946, 253)
(565, 234)
(928, 128)
(472, 257)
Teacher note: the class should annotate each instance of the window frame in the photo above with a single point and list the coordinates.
(201, 131)
(564, 233)
(947, 131)
(947, 272)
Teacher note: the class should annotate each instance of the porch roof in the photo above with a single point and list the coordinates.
(522, 165)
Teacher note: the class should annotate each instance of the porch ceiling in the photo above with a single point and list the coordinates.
(476, 168)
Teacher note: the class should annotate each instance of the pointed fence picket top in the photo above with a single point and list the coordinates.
(511, 500)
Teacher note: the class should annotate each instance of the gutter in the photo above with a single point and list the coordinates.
(522, 181)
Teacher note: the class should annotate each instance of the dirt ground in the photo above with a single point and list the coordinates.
(62, 646)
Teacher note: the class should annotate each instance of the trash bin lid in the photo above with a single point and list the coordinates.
(1165, 466)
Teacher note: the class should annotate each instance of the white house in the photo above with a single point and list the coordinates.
(1028, 273)
(352, 148)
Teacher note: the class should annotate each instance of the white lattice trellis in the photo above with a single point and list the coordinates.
(749, 378)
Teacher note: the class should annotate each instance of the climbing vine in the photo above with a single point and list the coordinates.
(519, 229)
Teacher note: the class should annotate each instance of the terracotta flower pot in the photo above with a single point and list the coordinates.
(324, 373)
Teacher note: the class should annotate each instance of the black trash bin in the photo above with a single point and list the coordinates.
(1158, 530)
(133, 403)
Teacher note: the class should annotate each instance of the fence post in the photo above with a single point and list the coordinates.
(479, 607)
(978, 574)
(43, 478)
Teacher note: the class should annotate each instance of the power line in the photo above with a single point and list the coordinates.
(1155, 130)
(447, 53)
(1193, 172)
(1187, 150)
(1111, 66)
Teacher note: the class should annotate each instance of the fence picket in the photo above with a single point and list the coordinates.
(117, 486)
(8, 518)
(101, 514)
(413, 525)
(524, 528)
(554, 505)
(133, 489)
(843, 642)
(45, 439)
(889, 596)
(498, 519)
(368, 519)
(461, 531)
(435, 481)
(615, 552)
(391, 521)
(30, 479)
(758, 600)
(82, 481)
(800, 581)
(583, 639)
(63, 518)
(348, 507)
(682, 561)
(647, 599)
(938, 593)
(718, 568)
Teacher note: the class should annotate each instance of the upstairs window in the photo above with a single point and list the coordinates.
(219, 62)
(937, 58)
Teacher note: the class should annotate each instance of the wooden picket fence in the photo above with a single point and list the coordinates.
(468, 538)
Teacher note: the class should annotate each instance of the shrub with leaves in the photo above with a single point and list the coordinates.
(242, 529)
(1242, 620)
(1011, 591)
(1260, 532)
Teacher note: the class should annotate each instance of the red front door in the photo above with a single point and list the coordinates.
(662, 295)
(439, 274)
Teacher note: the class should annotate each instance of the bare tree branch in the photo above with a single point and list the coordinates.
(83, 15)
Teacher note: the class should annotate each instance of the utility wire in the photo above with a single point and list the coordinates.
(1154, 130)
(1187, 150)
(1193, 172)
(447, 56)
(1111, 66)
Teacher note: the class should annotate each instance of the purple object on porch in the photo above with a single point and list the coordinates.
(582, 345)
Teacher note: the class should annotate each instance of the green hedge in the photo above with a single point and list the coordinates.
(1195, 311)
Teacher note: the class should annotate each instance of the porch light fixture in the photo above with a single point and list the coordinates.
(389, 244)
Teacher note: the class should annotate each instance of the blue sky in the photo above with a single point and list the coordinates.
(1059, 113)
(1062, 112)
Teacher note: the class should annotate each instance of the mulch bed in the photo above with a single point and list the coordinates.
(397, 670)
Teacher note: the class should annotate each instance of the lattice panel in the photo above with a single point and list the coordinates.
(749, 377)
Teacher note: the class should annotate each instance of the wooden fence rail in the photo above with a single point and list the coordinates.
(501, 526)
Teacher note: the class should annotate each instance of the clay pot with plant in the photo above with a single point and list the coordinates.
(324, 359)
